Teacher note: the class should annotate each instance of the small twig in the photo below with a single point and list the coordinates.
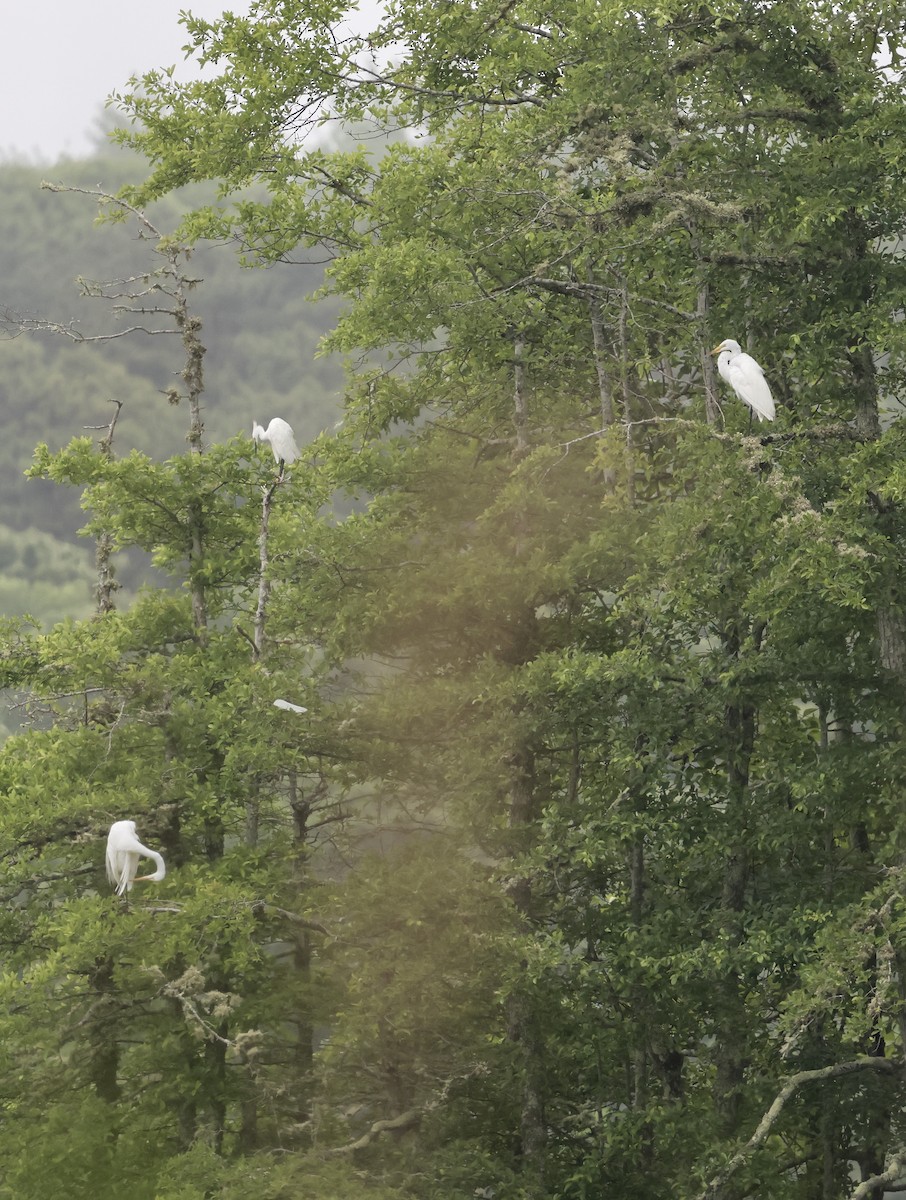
(242, 633)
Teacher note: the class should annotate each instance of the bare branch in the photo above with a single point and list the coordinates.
(17, 324)
(106, 198)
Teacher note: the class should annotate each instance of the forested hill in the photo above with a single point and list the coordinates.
(259, 327)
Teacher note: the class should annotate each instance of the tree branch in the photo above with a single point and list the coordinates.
(885, 1065)
(305, 922)
(872, 1185)
(404, 1121)
(587, 290)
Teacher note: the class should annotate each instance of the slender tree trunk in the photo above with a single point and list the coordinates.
(264, 582)
(192, 374)
(196, 558)
(892, 639)
(213, 838)
(186, 1102)
(599, 342)
(709, 372)
(856, 242)
(301, 808)
(189, 326)
(522, 1025)
(186, 1124)
(252, 814)
(215, 1085)
(105, 1051)
(520, 402)
(740, 723)
(605, 389)
(259, 640)
(248, 1124)
(640, 1072)
(107, 586)
(626, 392)
(703, 332)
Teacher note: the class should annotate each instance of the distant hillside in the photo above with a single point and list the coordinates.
(260, 330)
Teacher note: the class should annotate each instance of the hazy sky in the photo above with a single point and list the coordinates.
(61, 59)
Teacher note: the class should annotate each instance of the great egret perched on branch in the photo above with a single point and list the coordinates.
(745, 377)
(281, 438)
(123, 852)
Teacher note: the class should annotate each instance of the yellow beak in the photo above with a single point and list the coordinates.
(717, 349)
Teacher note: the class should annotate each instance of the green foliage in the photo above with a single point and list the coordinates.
(592, 835)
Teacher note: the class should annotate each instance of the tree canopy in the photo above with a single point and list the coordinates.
(582, 873)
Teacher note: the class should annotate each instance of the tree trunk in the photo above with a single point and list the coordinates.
(215, 1086)
(522, 1028)
(301, 807)
(599, 342)
(520, 403)
(626, 393)
(264, 582)
(107, 586)
(739, 724)
(192, 374)
(640, 1060)
(703, 335)
(105, 1051)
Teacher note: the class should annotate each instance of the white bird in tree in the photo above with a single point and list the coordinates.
(123, 853)
(279, 435)
(745, 377)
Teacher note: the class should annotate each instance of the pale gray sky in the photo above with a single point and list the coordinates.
(61, 59)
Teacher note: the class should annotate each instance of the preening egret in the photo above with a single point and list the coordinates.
(745, 377)
(281, 438)
(289, 706)
(123, 852)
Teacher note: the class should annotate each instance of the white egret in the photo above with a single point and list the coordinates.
(123, 852)
(745, 377)
(289, 706)
(279, 435)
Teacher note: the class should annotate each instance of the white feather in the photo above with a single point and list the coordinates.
(746, 378)
(123, 853)
(280, 436)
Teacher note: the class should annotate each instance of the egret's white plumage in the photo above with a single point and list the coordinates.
(745, 377)
(279, 435)
(289, 706)
(123, 853)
